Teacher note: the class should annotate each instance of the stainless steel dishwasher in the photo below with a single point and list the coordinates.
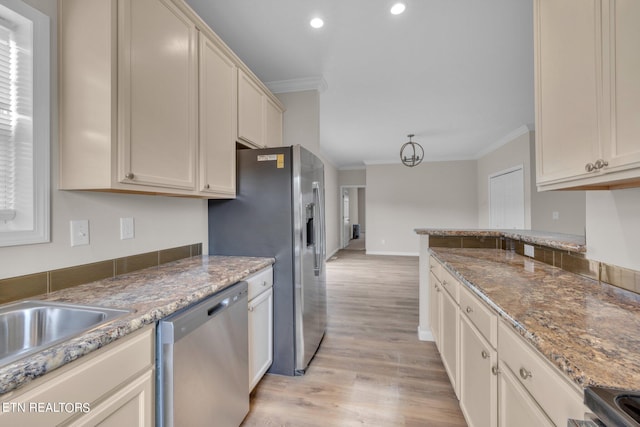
(203, 363)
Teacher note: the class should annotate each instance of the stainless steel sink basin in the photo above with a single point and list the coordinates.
(27, 327)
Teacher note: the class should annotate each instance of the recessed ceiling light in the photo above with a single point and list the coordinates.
(398, 8)
(316, 23)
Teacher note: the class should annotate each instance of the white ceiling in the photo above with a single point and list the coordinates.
(456, 73)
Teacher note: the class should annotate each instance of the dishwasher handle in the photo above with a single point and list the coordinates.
(218, 307)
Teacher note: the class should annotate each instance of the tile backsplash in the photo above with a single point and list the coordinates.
(31, 285)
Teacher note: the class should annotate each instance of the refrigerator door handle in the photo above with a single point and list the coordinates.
(317, 261)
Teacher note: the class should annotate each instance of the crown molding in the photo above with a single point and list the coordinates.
(504, 140)
(298, 85)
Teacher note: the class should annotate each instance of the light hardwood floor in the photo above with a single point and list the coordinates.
(370, 370)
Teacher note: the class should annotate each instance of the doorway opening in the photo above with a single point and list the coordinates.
(353, 217)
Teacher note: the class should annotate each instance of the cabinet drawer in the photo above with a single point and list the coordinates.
(85, 380)
(480, 315)
(451, 284)
(435, 267)
(559, 399)
(260, 282)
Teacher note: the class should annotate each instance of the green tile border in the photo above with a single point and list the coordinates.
(31, 285)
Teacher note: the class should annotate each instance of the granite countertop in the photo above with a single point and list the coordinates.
(590, 330)
(152, 294)
(567, 242)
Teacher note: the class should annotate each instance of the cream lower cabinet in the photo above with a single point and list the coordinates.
(113, 386)
(478, 377)
(500, 380)
(516, 407)
(260, 324)
(435, 297)
(587, 93)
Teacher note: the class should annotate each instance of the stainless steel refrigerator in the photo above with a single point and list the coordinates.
(279, 212)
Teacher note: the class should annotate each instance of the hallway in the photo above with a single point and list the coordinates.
(370, 370)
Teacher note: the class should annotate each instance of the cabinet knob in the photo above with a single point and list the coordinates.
(484, 354)
(264, 283)
(495, 370)
(250, 308)
(590, 167)
(437, 289)
(600, 163)
(207, 186)
(444, 282)
(130, 175)
(524, 374)
(469, 309)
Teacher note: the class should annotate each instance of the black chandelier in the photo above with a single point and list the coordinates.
(411, 153)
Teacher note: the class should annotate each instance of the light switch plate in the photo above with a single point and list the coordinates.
(529, 251)
(79, 232)
(127, 228)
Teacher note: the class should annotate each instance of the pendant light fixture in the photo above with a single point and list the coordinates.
(411, 153)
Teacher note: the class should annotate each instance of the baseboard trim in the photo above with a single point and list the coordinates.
(425, 335)
(332, 254)
(393, 253)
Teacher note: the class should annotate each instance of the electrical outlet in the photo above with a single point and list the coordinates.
(127, 228)
(529, 251)
(555, 215)
(79, 232)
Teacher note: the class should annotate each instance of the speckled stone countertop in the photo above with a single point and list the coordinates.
(567, 242)
(152, 294)
(590, 330)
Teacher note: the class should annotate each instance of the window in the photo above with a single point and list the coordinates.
(24, 124)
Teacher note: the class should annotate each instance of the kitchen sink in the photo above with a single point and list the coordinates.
(27, 327)
(614, 407)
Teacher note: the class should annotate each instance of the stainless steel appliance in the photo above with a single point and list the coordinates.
(203, 365)
(279, 212)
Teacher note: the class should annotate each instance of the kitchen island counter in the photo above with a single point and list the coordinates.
(151, 294)
(586, 328)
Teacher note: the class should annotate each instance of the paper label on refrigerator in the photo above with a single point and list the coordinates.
(268, 157)
(280, 162)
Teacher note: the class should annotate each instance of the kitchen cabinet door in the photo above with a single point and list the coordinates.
(621, 85)
(273, 123)
(260, 336)
(478, 379)
(567, 94)
(250, 111)
(450, 332)
(435, 296)
(516, 407)
(157, 95)
(218, 120)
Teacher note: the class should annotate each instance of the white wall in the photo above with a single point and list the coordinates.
(160, 222)
(302, 126)
(352, 177)
(613, 227)
(400, 199)
(539, 206)
(514, 153)
(362, 209)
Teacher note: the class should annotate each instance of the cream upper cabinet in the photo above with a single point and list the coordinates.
(273, 123)
(157, 95)
(587, 93)
(128, 96)
(218, 120)
(259, 116)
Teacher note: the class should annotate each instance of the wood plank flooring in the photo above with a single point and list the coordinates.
(371, 369)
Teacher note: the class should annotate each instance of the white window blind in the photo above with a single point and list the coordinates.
(24, 124)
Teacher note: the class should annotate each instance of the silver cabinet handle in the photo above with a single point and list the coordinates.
(600, 163)
(485, 355)
(524, 374)
(250, 308)
(495, 370)
(264, 283)
(590, 167)
(130, 175)
(469, 310)
(207, 186)
(437, 289)
(444, 282)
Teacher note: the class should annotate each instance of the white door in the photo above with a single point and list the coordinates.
(346, 222)
(506, 199)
